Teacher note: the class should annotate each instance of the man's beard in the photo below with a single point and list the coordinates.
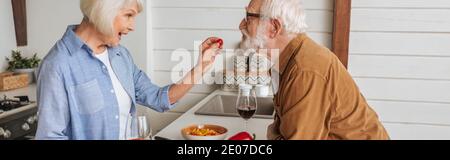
(258, 45)
(253, 43)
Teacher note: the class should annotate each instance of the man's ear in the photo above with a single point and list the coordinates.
(276, 28)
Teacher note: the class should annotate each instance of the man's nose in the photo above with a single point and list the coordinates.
(243, 25)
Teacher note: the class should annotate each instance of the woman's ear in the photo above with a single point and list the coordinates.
(276, 28)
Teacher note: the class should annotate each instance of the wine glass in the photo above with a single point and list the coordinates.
(246, 104)
(137, 128)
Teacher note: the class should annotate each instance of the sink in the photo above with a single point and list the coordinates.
(225, 105)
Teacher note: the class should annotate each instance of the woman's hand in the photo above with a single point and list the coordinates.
(208, 52)
(209, 49)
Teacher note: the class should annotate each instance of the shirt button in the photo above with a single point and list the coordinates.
(104, 67)
(112, 91)
(117, 117)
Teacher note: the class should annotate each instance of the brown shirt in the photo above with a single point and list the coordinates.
(318, 99)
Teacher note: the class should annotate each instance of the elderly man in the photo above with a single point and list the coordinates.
(316, 98)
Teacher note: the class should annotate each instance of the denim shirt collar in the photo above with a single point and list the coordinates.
(72, 41)
(75, 43)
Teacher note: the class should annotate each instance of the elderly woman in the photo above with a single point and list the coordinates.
(88, 84)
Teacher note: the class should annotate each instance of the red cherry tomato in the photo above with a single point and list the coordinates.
(220, 41)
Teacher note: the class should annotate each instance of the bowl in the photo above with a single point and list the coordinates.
(222, 132)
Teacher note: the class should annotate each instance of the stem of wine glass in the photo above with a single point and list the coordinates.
(246, 125)
(150, 132)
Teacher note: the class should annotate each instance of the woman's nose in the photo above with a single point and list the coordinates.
(131, 26)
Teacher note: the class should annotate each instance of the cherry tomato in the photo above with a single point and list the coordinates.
(220, 41)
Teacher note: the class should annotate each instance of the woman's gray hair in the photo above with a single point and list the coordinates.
(101, 13)
(291, 12)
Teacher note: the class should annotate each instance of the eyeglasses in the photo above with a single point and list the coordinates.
(248, 15)
(257, 15)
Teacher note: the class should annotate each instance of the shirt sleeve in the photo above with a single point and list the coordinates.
(53, 105)
(305, 111)
(149, 94)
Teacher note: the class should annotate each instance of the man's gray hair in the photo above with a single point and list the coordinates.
(291, 12)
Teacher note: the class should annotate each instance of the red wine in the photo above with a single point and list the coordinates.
(246, 112)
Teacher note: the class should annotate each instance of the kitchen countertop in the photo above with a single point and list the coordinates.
(29, 91)
(233, 124)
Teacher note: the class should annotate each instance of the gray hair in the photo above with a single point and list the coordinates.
(291, 12)
(102, 13)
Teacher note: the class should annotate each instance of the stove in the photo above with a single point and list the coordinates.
(18, 118)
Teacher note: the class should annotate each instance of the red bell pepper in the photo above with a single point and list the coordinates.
(243, 136)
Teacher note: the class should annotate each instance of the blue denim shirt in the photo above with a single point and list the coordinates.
(75, 94)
